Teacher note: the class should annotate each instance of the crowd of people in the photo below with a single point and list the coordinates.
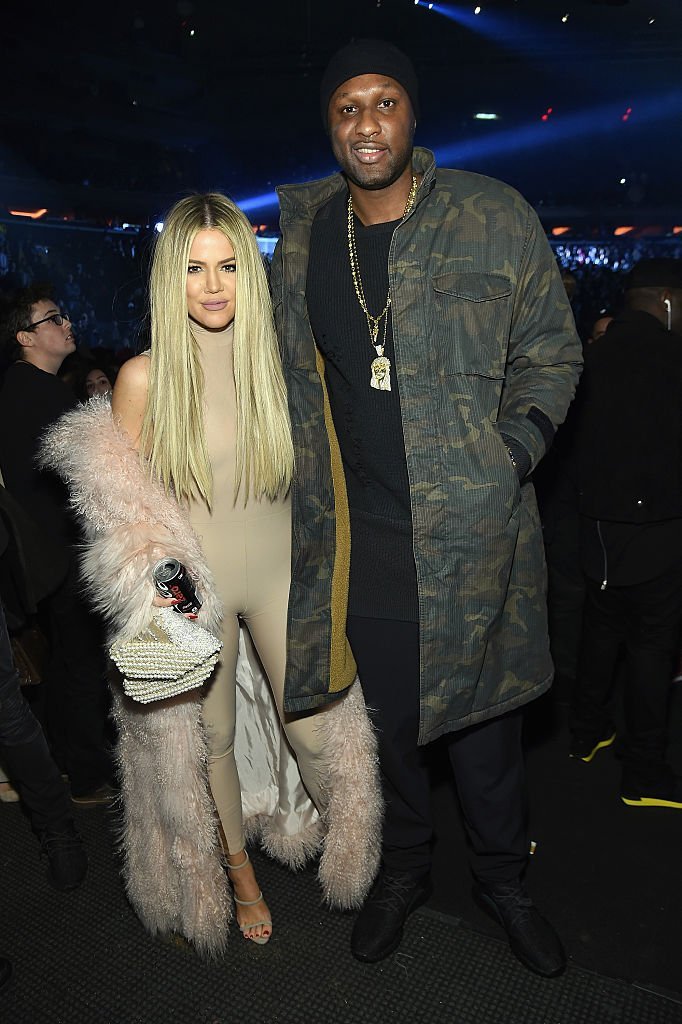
(348, 483)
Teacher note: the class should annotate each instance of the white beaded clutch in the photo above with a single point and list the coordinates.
(172, 655)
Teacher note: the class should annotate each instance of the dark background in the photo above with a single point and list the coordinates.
(112, 112)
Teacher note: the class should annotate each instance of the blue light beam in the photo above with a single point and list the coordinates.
(577, 125)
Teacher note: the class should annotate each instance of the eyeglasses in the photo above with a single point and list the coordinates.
(57, 318)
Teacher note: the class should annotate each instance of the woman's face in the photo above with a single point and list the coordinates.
(211, 280)
(97, 383)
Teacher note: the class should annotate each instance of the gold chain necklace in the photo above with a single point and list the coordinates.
(381, 365)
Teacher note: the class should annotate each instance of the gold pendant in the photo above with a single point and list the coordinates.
(381, 372)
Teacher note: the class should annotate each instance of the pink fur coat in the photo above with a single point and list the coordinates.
(173, 871)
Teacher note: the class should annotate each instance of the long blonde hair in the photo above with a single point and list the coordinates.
(173, 437)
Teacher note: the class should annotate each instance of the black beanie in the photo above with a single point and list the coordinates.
(368, 57)
(657, 273)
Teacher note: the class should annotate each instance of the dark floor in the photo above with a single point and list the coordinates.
(607, 875)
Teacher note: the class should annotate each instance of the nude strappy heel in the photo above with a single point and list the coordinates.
(259, 939)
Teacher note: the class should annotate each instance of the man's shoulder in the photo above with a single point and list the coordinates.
(467, 185)
(35, 394)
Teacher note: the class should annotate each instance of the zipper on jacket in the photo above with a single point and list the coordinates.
(605, 581)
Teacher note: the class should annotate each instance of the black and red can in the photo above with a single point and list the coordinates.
(172, 580)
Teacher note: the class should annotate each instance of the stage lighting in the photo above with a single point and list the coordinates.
(31, 214)
(159, 226)
(482, 116)
(625, 229)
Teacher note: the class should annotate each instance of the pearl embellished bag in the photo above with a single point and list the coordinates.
(172, 655)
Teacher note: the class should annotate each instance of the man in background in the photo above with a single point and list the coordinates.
(38, 337)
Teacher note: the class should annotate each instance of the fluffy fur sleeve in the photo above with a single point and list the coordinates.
(130, 522)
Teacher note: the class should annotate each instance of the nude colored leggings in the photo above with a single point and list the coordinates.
(251, 562)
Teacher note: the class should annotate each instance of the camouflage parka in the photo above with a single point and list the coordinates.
(484, 346)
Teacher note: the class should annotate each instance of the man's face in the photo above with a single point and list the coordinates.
(371, 125)
(48, 344)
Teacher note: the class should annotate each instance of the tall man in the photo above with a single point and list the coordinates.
(38, 337)
(430, 353)
(629, 472)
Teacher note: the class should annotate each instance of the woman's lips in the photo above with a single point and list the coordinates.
(214, 305)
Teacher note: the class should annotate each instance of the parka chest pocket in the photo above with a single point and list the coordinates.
(471, 322)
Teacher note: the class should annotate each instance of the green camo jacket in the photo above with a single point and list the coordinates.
(484, 345)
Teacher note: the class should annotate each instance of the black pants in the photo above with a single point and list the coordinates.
(487, 762)
(76, 692)
(644, 620)
(24, 751)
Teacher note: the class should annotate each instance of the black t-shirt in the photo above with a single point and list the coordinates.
(368, 422)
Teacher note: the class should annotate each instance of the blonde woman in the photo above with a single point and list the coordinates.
(199, 462)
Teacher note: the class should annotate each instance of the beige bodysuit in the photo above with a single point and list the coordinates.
(248, 549)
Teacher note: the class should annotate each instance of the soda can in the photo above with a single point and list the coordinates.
(171, 579)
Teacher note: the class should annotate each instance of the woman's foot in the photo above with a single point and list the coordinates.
(253, 916)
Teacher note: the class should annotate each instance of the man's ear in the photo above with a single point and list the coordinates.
(25, 339)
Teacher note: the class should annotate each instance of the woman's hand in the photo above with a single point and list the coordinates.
(168, 602)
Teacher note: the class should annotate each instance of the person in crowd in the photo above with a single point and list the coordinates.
(629, 476)
(599, 328)
(96, 382)
(197, 465)
(36, 777)
(38, 337)
(430, 353)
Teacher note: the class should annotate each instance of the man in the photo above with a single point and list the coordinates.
(629, 472)
(599, 328)
(38, 337)
(427, 336)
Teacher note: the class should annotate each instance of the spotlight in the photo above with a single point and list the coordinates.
(622, 181)
(158, 226)
(482, 116)
(477, 10)
(625, 229)
(565, 18)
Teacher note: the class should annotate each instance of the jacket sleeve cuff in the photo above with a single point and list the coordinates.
(518, 455)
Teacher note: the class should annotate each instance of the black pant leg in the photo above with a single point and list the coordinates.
(487, 761)
(604, 631)
(387, 656)
(77, 697)
(651, 646)
(24, 750)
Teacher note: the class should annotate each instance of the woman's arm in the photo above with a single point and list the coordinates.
(129, 400)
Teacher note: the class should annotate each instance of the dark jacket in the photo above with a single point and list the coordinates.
(485, 346)
(629, 450)
(30, 400)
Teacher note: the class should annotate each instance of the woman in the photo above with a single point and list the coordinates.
(201, 436)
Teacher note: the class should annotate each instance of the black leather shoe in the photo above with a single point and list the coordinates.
(66, 856)
(531, 938)
(378, 930)
(5, 971)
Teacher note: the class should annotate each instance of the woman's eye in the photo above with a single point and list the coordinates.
(230, 267)
(193, 269)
